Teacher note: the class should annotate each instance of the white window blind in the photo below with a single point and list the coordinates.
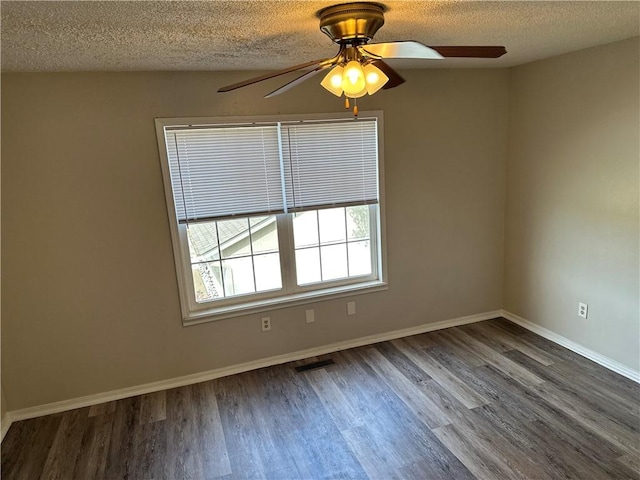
(330, 164)
(223, 172)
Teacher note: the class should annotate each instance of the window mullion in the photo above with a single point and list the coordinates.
(287, 254)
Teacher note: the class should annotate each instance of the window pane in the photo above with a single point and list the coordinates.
(264, 235)
(332, 226)
(358, 222)
(305, 229)
(334, 261)
(308, 265)
(234, 237)
(238, 276)
(203, 241)
(267, 272)
(253, 221)
(359, 258)
(207, 281)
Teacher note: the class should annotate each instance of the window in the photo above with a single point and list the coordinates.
(266, 211)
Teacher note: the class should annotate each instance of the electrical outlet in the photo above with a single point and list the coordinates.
(310, 316)
(583, 309)
(351, 308)
(266, 323)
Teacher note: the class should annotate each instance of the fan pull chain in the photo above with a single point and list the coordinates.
(355, 106)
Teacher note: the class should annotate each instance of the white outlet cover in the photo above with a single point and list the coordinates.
(266, 323)
(351, 308)
(583, 310)
(310, 315)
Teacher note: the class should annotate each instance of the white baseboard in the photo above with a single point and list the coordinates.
(6, 423)
(89, 400)
(574, 347)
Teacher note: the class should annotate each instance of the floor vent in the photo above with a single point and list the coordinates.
(314, 365)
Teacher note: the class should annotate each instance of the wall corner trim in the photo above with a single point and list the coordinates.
(6, 423)
(600, 359)
(64, 405)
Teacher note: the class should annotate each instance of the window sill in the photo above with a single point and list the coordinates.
(258, 306)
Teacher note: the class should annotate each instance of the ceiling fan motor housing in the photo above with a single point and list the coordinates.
(351, 21)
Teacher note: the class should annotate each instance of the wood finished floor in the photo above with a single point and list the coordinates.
(487, 400)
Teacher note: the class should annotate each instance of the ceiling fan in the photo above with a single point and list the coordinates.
(358, 67)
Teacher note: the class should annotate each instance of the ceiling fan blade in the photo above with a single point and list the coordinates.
(297, 81)
(407, 49)
(251, 81)
(471, 52)
(394, 77)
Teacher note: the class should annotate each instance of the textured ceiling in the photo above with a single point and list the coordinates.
(266, 35)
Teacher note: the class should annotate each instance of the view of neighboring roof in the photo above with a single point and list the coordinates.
(202, 236)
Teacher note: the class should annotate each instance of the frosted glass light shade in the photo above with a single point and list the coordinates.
(359, 94)
(353, 81)
(333, 81)
(374, 77)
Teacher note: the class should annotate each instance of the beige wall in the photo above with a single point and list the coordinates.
(572, 197)
(3, 405)
(90, 301)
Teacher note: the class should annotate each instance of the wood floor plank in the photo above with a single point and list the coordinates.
(92, 455)
(586, 395)
(64, 450)
(501, 362)
(425, 340)
(239, 432)
(509, 326)
(153, 407)
(631, 464)
(493, 338)
(121, 445)
(212, 444)
(391, 428)
(486, 400)
(465, 355)
(102, 408)
(590, 384)
(421, 405)
(474, 456)
(338, 404)
(619, 435)
(425, 469)
(184, 462)
(621, 385)
(573, 459)
(504, 341)
(276, 421)
(316, 440)
(150, 448)
(439, 373)
(26, 446)
(402, 363)
(541, 460)
(562, 454)
(376, 458)
(524, 406)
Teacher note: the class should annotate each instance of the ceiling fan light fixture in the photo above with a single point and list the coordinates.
(333, 81)
(375, 78)
(353, 81)
(352, 25)
(359, 94)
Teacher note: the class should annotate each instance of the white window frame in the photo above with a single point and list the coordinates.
(291, 294)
